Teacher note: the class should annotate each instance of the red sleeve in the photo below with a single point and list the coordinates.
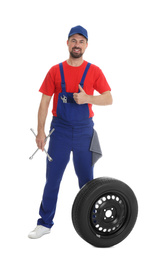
(48, 86)
(101, 85)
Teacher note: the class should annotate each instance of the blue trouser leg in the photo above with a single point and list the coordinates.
(82, 157)
(64, 140)
(59, 150)
(84, 170)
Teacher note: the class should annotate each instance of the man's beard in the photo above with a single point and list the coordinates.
(76, 55)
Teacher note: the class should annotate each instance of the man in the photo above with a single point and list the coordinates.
(72, 83)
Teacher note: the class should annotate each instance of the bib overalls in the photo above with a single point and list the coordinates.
(73, 133)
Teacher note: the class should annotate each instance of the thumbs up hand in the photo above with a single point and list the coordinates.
(82, 97)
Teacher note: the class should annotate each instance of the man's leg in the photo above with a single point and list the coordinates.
(59, 150)
(83, 167)
(82, 157)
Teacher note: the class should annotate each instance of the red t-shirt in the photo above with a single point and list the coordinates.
(95, 80)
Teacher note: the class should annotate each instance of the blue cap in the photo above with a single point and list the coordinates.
(79, 30)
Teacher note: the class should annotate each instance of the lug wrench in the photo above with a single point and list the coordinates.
(49, 158)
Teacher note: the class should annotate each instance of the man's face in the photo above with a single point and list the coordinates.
(77, 45)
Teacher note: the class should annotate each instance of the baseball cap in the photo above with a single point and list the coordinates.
(79, 30)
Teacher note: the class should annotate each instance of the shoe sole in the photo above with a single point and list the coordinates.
(29, 236)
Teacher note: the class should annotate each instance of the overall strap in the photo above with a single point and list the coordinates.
(84, 74)
(62, 77)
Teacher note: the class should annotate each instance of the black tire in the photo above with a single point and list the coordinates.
(104, 212)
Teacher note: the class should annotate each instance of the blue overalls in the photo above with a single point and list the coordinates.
(73, 132)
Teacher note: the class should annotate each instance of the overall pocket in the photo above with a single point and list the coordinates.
(69, 110)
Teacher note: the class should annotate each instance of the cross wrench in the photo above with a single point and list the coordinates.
(49, 158)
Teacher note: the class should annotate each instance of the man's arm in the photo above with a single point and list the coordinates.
(103, 99)
(42, 114)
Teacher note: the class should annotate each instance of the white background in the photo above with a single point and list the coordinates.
(123, 43)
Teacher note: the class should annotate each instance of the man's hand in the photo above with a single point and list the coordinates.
(80, 98)
(103, 99)
(40, 140)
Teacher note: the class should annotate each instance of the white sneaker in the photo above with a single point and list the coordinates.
(39, 231)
